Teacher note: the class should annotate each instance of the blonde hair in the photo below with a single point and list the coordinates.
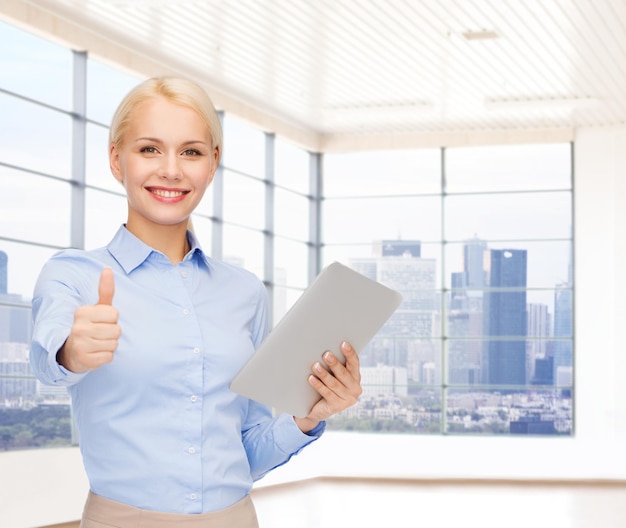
(176, 90)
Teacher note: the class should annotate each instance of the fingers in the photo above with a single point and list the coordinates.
(340, 387)
(106, 287)
(94, 335)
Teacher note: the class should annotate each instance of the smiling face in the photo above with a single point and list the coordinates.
(165, 162)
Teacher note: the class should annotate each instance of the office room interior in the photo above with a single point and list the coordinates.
(466, 153)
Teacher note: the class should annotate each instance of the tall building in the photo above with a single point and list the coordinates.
(563, 327)
(406, 339)
(397, 248)
(504, 360)
(465, 315)
(539, 330)
(4, 266)
(473, 262)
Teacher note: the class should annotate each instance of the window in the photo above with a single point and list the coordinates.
(482, 343)
(478, 240)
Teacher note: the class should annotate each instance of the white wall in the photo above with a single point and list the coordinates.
(49, 486)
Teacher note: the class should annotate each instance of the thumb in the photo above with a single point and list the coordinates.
(106, 287)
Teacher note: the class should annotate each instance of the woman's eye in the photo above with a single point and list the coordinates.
(191, 152)
(149, 150)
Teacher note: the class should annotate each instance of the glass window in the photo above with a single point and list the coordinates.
(485, 270)
(291, 167)
(527, 412)
(97, 170)
(35, 137)
(244, 200)
(385, 173)
(506, 216)
(104, 214)
(362, 220)
(244, 147)
(291, 263)
(245, 248)
(26, 199)
(291, 214)
(203, 229)
(106, 87)
(20, 265)
(508, 168)
(26, 59)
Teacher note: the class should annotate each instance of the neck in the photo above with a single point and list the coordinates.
(171, 240)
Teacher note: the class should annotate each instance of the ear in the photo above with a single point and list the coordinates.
(114, 163)
(214, 164)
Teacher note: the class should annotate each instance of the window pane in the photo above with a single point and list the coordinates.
(23, 264)
(508, 216)
(509, 168)
(547, 263)
(382, 173)
(97, 170)
(291, 166)
(104, 214)
(244, 148)
(244, 200)
(291, 214)
(290, 263)
(284, 298)
(379, 410)
(205, 207)
(26, 199)
(27, 59)
(203, 229)
(35, 137)
(106, 87)
(368, 219)
(531, 412)
(245, 247)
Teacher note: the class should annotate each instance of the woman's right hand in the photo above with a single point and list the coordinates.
(95, 332)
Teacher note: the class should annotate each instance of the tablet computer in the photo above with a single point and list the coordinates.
(339, 305)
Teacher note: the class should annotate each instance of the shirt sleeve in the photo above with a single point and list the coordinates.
(270, 444)
(53, 307)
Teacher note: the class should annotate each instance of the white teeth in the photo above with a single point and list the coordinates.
(167, 194)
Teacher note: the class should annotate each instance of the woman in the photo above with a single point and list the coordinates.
(148, 332)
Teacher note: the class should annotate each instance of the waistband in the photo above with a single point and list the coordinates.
(100, 511)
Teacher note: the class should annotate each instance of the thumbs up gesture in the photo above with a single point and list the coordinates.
(93, 338)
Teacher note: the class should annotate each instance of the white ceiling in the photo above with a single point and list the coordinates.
(335, 69)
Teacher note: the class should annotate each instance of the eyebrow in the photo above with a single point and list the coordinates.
(157, 140)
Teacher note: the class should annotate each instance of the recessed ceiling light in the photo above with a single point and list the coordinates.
(567, 102)
(482, 34)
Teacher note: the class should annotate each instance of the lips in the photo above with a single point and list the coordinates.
(167, 195)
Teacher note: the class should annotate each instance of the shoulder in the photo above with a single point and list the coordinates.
(73, 269)
(232, 271)
(236, 277)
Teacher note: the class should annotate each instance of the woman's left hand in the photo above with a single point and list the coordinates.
(340, 388)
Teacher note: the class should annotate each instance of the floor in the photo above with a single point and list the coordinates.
(337, 502)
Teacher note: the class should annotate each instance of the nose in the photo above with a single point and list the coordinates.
(170, 168)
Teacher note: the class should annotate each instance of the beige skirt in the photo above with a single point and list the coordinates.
(104, 513)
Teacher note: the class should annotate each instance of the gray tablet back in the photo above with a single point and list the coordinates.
(339, 305)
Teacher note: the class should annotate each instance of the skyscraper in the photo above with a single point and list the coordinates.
(504, 360)
(4, 259)
(406, 339)
(563, 319)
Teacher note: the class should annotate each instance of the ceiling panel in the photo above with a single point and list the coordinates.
(355, 67)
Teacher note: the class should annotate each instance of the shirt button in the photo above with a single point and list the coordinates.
(194, 398)
(193, 496)
(184, 274)
(185, 311)
(196, 350)
(191, 450)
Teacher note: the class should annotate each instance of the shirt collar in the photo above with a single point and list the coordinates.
(130, 252)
